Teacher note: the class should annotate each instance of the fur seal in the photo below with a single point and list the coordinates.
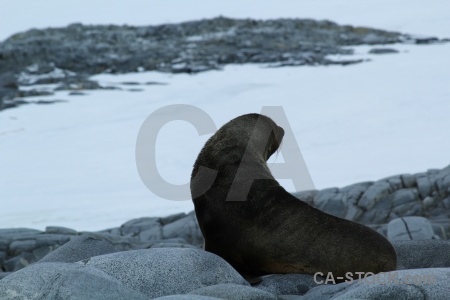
(272, 231)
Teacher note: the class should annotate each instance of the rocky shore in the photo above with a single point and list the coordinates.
(162, 257)
(68, 56)
(148, 258)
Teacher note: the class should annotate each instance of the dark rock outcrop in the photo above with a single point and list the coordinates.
(68, 56)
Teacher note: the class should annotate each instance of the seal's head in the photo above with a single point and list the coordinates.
(258, 132)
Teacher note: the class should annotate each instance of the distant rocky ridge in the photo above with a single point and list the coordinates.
(68, 56)
(411, 210)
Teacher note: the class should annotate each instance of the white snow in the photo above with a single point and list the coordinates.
(72, 164)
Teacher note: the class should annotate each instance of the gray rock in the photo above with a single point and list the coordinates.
(77, 94)
(39, 253)
(64, 281)
(446, 203)
(186, 297)
(134, 227)
(61, 55)
(80, 248)
(77, 83)
(161, 272)
(234, 292)
(115, 231)
(51, 240)
(172, 244)
(405, 284)
(122, 243)
(17, 247)
(380, 228)
(353, 213)
(409, 181)
(4, 274)
(395, 182)
(407, 209)
(18, 262)
(20, 259)
(188, 47)
(4, 246)
(325, 291)
(423, 184)
(154, 233)
(306, 196)
(186, 228)
(407, 195)
(3, 257)
(290, 297)
(442, 229)
(45, 102)
(330, 201)
(324, 195)
(59, 230)
(383, 51)
(383, 292)
(8, 235)
(352, 194)
(423, 40)
(356, 190)
(422, 254)
(373, 194)
(410, 228)
(379, 213)
(443, 182)
(172, 218)
(286, 284)
(429, 202)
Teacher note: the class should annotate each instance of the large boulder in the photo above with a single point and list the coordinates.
(407, 284)
(64, 281)
(80, 248)
(166, 271)
(287, 284)
(187, 297)
(134, 274)
(234, 292)
(410, 228)
(422, 254)
(403, 284)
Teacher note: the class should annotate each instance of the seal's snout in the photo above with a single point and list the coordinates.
(279, 134)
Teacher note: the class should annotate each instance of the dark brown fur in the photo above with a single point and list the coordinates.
(272, 231)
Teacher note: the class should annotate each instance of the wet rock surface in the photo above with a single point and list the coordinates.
(162, 257)
(68, 56)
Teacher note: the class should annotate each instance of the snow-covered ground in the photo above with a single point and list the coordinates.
(73, 164)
